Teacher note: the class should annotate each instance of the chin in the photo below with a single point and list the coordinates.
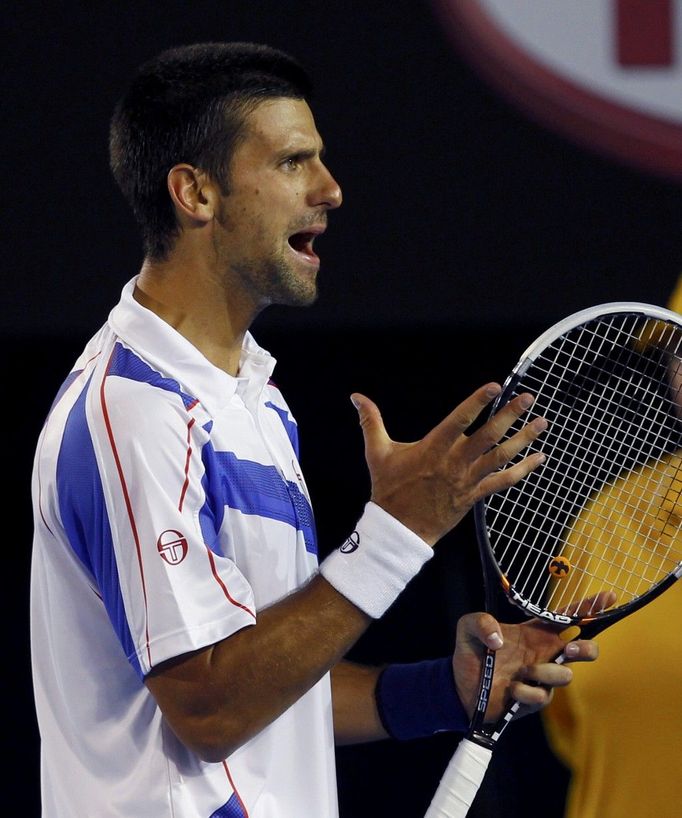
(300, 298)
(298, 291)
(286, 286)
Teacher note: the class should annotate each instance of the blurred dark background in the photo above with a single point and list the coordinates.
(466, 230)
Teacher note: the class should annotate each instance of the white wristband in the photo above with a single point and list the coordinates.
(376, 562)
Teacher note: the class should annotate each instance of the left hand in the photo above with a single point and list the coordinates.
(524, 665)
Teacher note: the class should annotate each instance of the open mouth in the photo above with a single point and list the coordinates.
(303, 243)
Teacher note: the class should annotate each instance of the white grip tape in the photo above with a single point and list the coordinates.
(460, 782)
(376, 562)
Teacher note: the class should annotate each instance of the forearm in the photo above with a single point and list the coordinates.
(218, 698)
(356, 718)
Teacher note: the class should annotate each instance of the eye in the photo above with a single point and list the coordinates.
(292, 162)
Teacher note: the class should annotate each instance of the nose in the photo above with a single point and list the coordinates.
(328, 189)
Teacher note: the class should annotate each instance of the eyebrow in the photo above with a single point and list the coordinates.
(303, 153)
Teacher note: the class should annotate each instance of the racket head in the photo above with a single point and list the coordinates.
(603, 514)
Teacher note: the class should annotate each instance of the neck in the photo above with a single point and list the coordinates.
(195, 303)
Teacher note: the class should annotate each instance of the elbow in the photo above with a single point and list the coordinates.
(211, 741)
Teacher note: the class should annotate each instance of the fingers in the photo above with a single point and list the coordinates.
(429, 485)
(501, 480)
(549, 675)
(500, 455)
(372, 424)
(485, 438)
(535, 685)
(461, 418)
(493, 458)
(483, 449)
(482, 443)
(581, 650)
(532, 697)
(592, 604)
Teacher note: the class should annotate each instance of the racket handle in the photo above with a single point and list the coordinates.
(461, 781)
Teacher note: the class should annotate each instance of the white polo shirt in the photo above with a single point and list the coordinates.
(169, 508)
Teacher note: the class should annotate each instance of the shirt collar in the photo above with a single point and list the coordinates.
(167, 351)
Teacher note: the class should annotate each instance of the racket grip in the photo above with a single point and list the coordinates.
(460, 782)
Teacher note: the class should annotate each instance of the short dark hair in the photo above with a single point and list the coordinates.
(189, 104)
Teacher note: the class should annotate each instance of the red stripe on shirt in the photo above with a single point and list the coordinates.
(234, 790)
(126, 497)
(230, 598)
(187, 460)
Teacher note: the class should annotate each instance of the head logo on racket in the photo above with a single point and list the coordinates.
(559, 567)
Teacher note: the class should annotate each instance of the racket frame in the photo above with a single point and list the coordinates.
(590, 626)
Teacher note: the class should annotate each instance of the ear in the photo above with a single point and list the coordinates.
(192, 193)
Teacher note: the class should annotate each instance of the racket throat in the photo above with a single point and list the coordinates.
(484, 691)
(480, 733)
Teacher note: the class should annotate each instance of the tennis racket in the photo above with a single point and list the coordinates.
(603, 515)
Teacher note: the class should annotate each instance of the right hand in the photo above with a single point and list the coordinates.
(525, 669)
(430, 485)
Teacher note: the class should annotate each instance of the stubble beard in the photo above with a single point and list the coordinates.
(269, 280)
(274, 281)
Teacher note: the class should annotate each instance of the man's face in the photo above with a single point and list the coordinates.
(280, 192)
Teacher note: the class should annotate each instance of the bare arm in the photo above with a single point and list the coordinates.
(217, 698)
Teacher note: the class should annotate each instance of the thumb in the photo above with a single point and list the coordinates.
(372, 424)
(480, 628)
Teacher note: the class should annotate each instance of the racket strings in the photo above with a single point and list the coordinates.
(631, 559)
(645, 567)
(619, 414)
(627, 502)
(633, 570)
(571, 448)
(643, 552)
(658, 483)
(639, 383)
(545, 391)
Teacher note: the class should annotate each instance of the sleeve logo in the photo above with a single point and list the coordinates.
(172, 546)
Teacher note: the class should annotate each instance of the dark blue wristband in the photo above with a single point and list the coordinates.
(419, 699)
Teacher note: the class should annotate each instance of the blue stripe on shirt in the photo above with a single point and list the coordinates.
(232, 809)
(126, 364)
(289, 425)
(85, 519)
(252, 488)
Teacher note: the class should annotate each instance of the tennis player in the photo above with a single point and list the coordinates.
(187, 644)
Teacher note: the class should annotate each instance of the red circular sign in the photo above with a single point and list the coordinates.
(606, 73)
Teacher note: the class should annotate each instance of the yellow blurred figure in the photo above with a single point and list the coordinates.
(676, 300)
(618, 726)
